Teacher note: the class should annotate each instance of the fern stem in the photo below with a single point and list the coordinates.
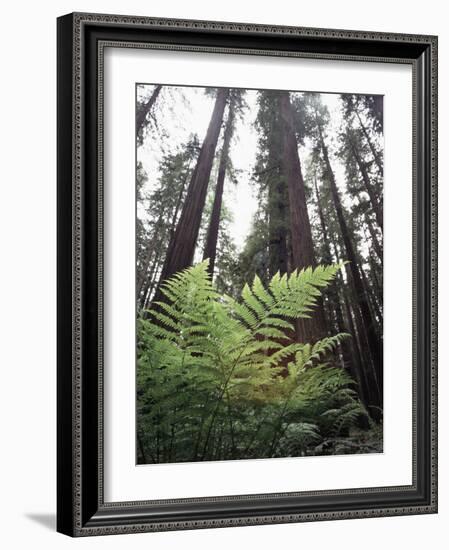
(141, 448)
(219, 401)
(231, 425)
(276, 437)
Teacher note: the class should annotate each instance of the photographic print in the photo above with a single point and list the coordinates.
(259, 293)
(222, 288)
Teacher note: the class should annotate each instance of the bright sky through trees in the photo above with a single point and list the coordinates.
(187, 113)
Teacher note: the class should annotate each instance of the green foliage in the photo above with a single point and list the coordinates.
(160, 209)
(221, 378)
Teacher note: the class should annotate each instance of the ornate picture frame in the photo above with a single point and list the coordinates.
(81, 507)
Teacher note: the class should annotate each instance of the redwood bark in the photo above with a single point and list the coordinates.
(182, 245)
(210, 248)
(179, 201)
(302, 244)
(303, 255)
(278, 251)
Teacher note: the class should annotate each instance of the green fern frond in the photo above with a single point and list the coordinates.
(261, 293)
(210, 364)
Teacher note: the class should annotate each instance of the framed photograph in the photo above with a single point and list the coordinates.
(246, 274)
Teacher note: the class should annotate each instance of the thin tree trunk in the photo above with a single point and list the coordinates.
(371, 300)
(148, 252)
(153, 251)
(142, 275)
(376, 243)
(365, 390)
(210, 248)
(332, 292)
(142, 113)
(373, 292)
(379, 110)
(142, 449)
(373, 343)
(149, 283)
(308, 330)
(356, 364)
(328, 258)
(375, 295)
(151, 279)
(362, 379)
(376, 283)
(182, 246)
(376, 204)
(370, 143)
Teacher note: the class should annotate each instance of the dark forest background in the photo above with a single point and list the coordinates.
(270, 345)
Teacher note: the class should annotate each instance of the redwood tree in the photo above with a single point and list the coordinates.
(366, 324)
(144, 110)
(161, 207)
(303, 255)
(269, 176)
(182, 244)
(369, 188)
(210, 248)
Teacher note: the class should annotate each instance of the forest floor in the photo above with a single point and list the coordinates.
(358, 441)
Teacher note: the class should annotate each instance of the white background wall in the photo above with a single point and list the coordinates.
(27, 273)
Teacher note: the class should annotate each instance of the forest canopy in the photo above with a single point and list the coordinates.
(259, 273)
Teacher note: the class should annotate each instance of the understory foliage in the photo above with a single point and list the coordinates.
(223, 378)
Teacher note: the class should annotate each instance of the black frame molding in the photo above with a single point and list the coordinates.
(81, 510)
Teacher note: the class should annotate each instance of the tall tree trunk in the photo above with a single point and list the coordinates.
(375, 278)
(308, 330)
(302, 243)
(373, 343)
(328, 255)
(210, 248)
(374, 293)
(373, 299)
(370, 298)
(375, 240)
(150, 246)
(179, 202)
(361, 377)
(278, 250)
(376, 204)
(182, 245)
(349, 358)
(142, 113)
(373, 150)
(151, 278)
(378, 101)
(153, 244)
(356, 363)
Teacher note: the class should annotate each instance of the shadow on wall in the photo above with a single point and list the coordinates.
(46, 520)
